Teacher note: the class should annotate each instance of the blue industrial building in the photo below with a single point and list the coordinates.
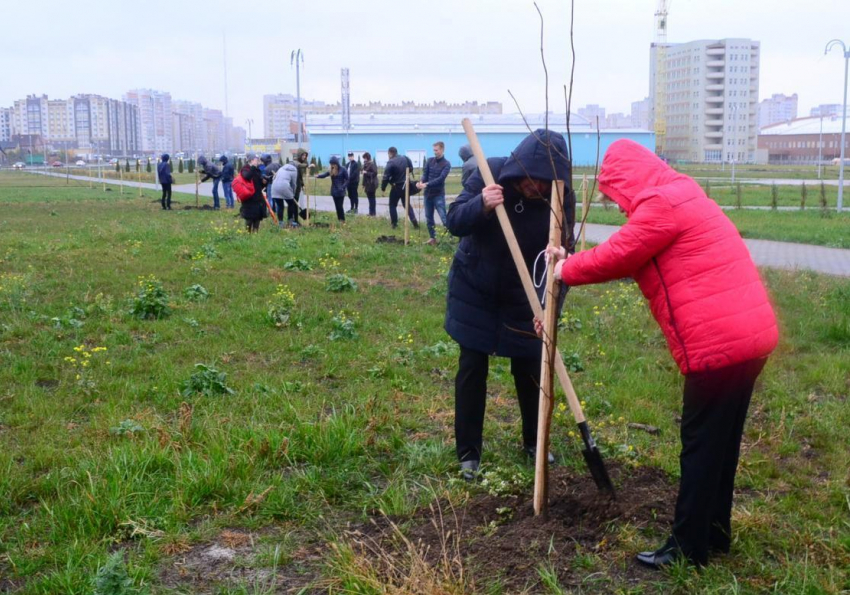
(414, 135)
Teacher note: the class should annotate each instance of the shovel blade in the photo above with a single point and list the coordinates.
(596, 465)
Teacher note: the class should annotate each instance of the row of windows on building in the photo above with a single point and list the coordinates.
(802, 144)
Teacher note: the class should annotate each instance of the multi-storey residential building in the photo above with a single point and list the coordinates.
(5, 124)
(105, 126)
(640, 113)
(30, 117)
(710, 94)
(778, 108)
(827, 110)
(154, 119)
(593, 113)
(280, 110)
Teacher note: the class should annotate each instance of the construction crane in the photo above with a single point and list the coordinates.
(660, 101)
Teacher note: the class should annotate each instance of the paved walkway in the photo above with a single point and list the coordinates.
(781, 255)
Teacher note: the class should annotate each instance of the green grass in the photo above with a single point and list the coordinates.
(331, 430)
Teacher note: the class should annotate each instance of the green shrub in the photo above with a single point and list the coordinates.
(774, 196)
(112, 577)
(180, 166)
(148, 166)
(151, 301)
(207, 381)
(338, 282)
(803, 194)
(344, 327)
(128, 427)
(196, 293)
(280, 307)
(297, 265)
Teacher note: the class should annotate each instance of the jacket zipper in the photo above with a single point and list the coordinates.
(670, 312)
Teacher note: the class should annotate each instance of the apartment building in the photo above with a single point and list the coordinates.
(5, 124)
(776, 109)
(709, 99)
(155, 119)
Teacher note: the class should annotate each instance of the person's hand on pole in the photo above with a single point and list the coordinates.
(493, 196)
(538, 327)
(559, 253)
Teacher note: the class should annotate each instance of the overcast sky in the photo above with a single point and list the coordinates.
(451, 50)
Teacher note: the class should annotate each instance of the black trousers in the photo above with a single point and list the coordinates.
(291, 210)
(396, 195)
(714, 409)
(166, 196)
(278, 209)
(471, 398)
(339, 203)
(353, 197)
(370, 194)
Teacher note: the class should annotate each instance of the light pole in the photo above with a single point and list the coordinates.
(298, 58)
(734, 110)
(846, 51)
(249, 121)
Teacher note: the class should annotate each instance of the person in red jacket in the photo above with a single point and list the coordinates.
(705, 292)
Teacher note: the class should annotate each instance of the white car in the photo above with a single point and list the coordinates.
(19, 165)
(80, 163)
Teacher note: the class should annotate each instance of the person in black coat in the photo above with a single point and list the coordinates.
(394, 176)
(353, 183)
(254, 209)
(487, 310)
(163, 173)
(210, 172)
(370, 181)
(339, 184)
(227, 173)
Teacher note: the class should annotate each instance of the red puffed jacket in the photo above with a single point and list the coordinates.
(688, 260)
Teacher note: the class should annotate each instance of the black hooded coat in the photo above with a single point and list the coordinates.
(486, 304)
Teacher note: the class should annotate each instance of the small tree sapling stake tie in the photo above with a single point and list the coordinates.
(547, 361)
(591, 453)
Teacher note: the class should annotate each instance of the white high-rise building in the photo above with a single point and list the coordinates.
(5, 124)
(778, 108)
(640, 113)
(710, 92)
(30, 116)
(155, 119)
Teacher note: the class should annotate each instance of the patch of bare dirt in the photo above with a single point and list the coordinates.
(499, 536)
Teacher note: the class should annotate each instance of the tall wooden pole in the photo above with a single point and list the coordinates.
(585, 205)
(139, 172)
(547, 370)
(197, 182)
(406, 205)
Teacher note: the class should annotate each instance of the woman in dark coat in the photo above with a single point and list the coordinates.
(339, 186)
(487, 309)
(254, 209)
(370, 181)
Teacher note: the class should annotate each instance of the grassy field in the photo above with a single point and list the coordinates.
(233, 444)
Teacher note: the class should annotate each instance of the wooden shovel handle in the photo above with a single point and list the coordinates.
(522, 269)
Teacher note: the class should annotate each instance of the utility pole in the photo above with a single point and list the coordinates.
(846, 51)
(298, 58)
(734, 111)
(820, 148)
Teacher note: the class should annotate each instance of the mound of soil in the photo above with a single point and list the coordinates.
(388, 240)
(200, 208)
(499, 536)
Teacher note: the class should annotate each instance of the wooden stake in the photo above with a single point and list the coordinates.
(121, 176)
(140, 177)
(585, 205)
(198, 182)
(547, 376)
(406, 205)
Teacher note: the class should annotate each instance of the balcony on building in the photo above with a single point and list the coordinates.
(716, 51)
(715, 134)
(715, 87)
(719, 74)
(716, 63)
(715, 99)
(714, 122)
(713, 147)
(714, 111)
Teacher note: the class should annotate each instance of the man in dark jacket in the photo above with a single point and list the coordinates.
(470, 163)
(210, 171)
(394, 176)
(434, 183)
(487, 310)
(226, 181)
(163, 173)
(353, 183)
(370, 181)
(303, 168)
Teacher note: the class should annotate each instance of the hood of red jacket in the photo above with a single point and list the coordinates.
(629, 169)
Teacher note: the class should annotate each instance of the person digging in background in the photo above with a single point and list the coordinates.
(166, 180)
(433, 182)
(470, 163)
(283, 191)
(394, 176)
(303, 168)
(210, 172)
(487, 311)
(339, 185)
(253, 209)
(705, 292)
(370, 182)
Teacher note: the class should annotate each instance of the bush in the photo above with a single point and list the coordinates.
(138, 166)
(298, 265)
(338, 282)
(151, 302)
(206, 380)
(148, 166)
(343, 327)
(738, 195)
(823, 204)
(127, 166)
(117, 167)
(112, 577)
(774, 196)
(280, 307)
(128, 427)
(196, 293)
(803, 194)
(191, 166)
(180, 166)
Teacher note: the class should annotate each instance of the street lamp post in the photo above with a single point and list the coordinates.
(298, 59)
(734, 110)
(249, 122)
(846, 51)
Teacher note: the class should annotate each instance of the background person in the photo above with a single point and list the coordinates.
(434, 184)
(353, 183)
(339, 185)
(394, 176)
(254, 209)
(210, 171)
(166, 180)
(227, 181)
(370, 182)
(705, 292)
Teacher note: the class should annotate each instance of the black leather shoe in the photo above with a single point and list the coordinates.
(531, 451)
(660, 558)
(469, 469)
